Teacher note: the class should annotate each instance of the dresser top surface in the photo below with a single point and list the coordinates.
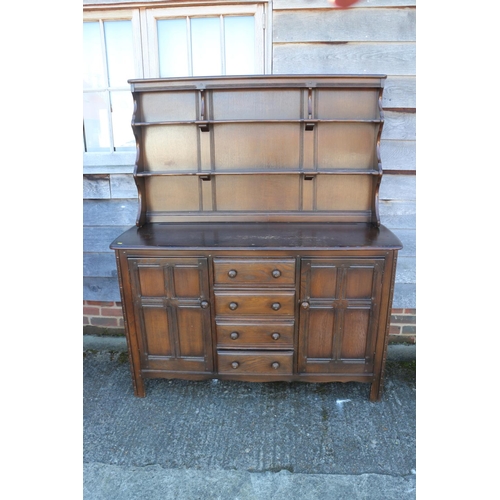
(265, 236)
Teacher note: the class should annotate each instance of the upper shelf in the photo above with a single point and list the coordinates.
(269, 98)
(239, 131)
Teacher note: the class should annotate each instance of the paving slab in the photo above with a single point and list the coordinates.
(112, 482)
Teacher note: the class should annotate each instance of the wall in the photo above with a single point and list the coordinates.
(375, 36)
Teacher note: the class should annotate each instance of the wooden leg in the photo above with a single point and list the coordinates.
(139, 389)
(376, 390)
(137, 380)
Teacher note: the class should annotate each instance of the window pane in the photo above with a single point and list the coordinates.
(172, 47)
(95, 121)
(239, 45)
(93, 64)
(205, 42)
(121, 117)
(119, 52)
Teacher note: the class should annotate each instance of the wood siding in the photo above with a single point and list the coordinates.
(376, 36)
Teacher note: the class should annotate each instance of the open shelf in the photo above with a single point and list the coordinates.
(240, 147)
(216, 122)
(203, 173)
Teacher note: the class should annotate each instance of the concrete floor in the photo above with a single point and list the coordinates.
(236, 440)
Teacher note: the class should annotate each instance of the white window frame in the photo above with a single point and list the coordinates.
(105, 162)
(153, 15)
(143, 16)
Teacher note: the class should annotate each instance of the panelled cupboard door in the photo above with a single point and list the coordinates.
(172, 313)
(340, 301)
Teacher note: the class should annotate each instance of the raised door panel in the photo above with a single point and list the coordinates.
(339, 315)
(171, 313)
(156, 328)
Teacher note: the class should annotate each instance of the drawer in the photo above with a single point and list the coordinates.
(264, 271)
(257, 335)
(258, 302)
(255, 362)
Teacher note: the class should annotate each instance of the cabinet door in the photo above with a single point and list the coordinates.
(340, 300)
(172, 313)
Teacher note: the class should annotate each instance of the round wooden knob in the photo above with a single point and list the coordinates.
(234, 335)
(305, 305)
(276, 273)
(275, 365)
(276, 306)
(232, 273)
(235, 364)
(233, 306)
(275, 335)
(204, 304)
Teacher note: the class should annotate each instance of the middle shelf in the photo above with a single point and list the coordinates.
(305, 173)
(266, 146)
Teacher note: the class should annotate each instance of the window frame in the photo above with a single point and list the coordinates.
(143, 16)
(107, 162)
(155, 14)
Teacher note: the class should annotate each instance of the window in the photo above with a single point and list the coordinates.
(207, 41)
(119, 45)
(111, 56)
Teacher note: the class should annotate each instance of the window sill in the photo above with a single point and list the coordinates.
(118, 163)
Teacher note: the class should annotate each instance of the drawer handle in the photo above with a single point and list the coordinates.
(276, 306)
(204, 304)
(276, 273)
(234, 335)
(233, 306)
(305, 305)
(275, 365)
(275, 335)
(235, 364)
(232, 273)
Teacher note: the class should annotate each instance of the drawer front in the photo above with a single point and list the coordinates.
(255, 362)
(241, 335)
(256, 302)
(264, 271)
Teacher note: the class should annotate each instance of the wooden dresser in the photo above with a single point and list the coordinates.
(258, 252)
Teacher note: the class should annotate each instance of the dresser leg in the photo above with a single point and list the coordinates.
(376, 390)
(139, 389)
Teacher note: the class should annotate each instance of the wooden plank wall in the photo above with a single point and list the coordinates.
(375, 36)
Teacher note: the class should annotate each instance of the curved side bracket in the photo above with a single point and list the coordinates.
(139, 181)
(375, 208)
